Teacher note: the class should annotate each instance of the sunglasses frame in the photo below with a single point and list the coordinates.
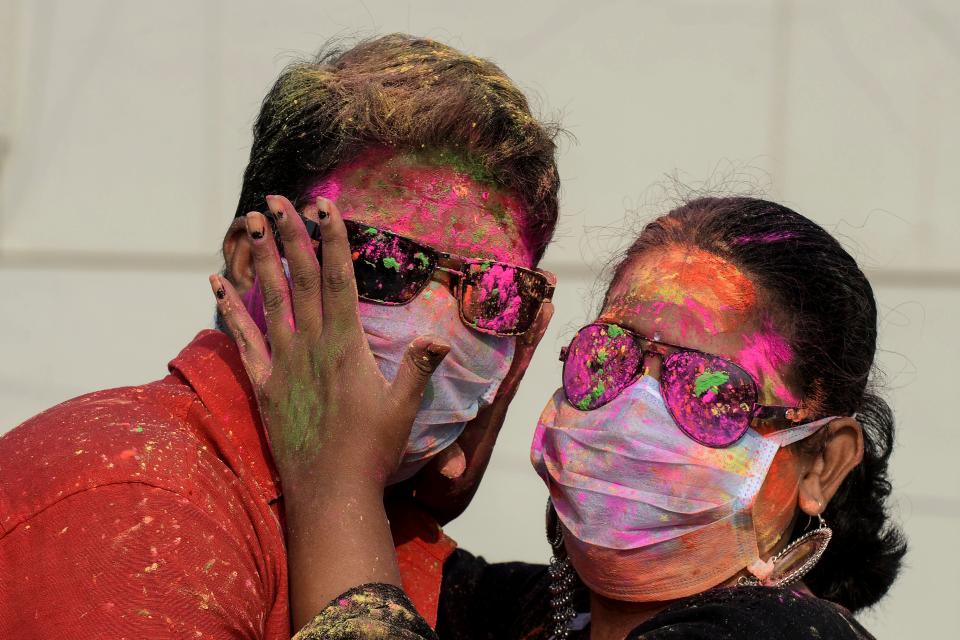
(456, 266)
(649, 346)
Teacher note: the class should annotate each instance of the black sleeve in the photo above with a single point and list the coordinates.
(368, 612)
(747, 613)
(479, 600)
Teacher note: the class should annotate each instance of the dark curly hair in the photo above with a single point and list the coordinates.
(408, 93)
(831, 318)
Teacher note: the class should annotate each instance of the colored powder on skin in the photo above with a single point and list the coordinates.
(688, 277)
(765, 355)
(777, 500)
(429, 197)
(704, 314)
(463, 163)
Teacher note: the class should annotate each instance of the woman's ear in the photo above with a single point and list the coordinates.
(842, 451)
(237, 256)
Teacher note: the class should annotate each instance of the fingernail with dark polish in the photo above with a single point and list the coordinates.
(274, 206)
(254, 228)
(434, 353)
(322, 208)
(217, 287)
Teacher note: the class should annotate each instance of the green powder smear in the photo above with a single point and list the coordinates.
(595, 394)
(709, 380)
(460, 161)
(391, 263)
(422, 258)
(371, 231)
(614, 331)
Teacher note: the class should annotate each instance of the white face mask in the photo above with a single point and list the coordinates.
(466, 380)
(650, 513)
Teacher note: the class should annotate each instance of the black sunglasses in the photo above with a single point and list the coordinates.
(493, 297)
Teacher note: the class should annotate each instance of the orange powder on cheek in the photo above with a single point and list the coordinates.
(776, 502)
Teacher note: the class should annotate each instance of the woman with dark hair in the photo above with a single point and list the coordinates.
(716, 458)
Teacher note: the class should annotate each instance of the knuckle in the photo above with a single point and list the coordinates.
(272, 300)
(335, 358)
(335, 233)
(422, 365)
(305, 281)
(336, 277)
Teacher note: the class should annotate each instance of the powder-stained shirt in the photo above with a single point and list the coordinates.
(156, 512)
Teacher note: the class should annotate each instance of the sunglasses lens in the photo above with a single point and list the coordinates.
(499, 298)
(710, 398)
(388, 268)
(601, 362)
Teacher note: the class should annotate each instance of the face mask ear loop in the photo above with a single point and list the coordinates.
(787, 437)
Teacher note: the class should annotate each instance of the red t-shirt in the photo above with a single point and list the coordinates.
(156, 512)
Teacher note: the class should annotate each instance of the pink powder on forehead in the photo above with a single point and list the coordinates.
(430, 216)
(329, 189)
(705, 315)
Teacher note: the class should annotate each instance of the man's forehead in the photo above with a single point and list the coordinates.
(438, 198)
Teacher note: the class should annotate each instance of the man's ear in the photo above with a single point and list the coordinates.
(842, 451)
(237, 256)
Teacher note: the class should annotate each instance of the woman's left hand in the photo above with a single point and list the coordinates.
(337, 427)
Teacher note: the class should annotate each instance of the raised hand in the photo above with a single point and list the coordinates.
(337, 427)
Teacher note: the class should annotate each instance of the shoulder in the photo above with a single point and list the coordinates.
(127, 435)
(753, 612)
(150, 561)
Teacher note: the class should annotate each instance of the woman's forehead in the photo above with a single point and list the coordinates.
(435, 197)
(693, 298)
(701, 291)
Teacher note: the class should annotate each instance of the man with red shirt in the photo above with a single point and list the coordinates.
(156, 511)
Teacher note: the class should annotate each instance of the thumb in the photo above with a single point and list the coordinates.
(451, 462)
(422, 358)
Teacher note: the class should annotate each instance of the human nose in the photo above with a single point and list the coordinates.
(445, 279)
(652, 363)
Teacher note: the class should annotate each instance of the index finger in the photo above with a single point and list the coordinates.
(302, 260)
(339, 291)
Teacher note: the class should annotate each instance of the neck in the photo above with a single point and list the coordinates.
(614, 619)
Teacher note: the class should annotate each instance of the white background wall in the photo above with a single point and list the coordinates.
(124, 128)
